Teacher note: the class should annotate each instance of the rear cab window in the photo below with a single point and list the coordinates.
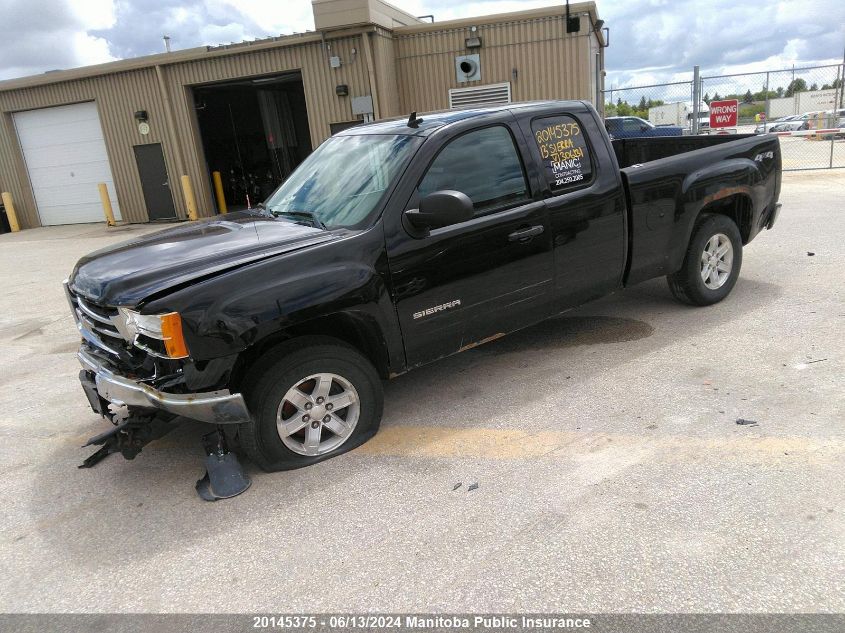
(565, 154)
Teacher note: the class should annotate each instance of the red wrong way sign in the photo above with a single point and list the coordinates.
(724, 113)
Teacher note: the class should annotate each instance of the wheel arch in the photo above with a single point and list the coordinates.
(354, 329)
(737, 206)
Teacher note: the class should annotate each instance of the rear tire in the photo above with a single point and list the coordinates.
(712, 262)
(311, 398)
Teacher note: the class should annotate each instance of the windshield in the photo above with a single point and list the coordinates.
(343, 180)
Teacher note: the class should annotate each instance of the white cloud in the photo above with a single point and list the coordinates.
(94, 14)
(90, 50)
(274, 16)
(651, 40)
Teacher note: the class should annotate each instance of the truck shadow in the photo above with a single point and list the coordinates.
(513, 360)
(147, 507)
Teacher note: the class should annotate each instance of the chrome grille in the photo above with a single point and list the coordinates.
(93, 317)
(96, 323)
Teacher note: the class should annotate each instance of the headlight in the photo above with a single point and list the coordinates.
(159, 334)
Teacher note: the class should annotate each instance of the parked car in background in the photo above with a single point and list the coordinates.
(810, 120)
(766, 126)
(789, 126)
(635, 127)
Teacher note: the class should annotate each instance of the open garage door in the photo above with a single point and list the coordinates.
(254, 132)
(66, 158)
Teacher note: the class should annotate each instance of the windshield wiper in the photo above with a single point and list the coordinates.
(308, 215)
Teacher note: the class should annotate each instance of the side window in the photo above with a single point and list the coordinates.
(632, 125)
(484, 165)
(564, 151)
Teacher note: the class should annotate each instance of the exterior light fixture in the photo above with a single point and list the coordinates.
(341, 90)
(473, 42)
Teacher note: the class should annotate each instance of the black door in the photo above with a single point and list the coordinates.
(474, 280)
(586, 205)
(155, 182)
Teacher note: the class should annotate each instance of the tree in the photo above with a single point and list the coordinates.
(815, 86)
(796, 85)
(643, 105)
(707, 98)
(716, 97)
(779, 92)
(748, 98)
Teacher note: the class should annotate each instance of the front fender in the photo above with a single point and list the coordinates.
(227, 314)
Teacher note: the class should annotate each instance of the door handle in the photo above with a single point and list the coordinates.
(524, 235)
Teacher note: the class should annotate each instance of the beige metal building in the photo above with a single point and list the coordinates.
(254, 110)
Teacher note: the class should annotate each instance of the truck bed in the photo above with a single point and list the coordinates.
(669, 181)
(635, 151)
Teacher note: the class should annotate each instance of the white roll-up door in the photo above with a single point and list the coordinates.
(66, 158)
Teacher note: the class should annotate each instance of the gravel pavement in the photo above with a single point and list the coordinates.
(612, 475)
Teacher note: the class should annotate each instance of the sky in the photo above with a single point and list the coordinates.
(651, 40)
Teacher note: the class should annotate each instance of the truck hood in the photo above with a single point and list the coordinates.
(126, 274)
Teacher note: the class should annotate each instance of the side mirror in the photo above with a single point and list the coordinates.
(441, 208)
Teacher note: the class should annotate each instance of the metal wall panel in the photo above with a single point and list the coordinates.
(319, 81)
(549, 63)
(119, 95)
(385, 67)
(413, 69)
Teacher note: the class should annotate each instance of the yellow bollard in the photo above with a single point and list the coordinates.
(104, 198)
(10, 212)
(190, 200)
(218, 189)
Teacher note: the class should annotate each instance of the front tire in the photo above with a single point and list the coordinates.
(311, 399)
(712, 262)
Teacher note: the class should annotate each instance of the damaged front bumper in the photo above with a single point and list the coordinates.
(103, 385)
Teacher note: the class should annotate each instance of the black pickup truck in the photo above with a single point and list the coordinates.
(393, 245)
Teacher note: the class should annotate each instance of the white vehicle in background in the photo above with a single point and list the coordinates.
(766, 126)
(792, 125)
(680, 114)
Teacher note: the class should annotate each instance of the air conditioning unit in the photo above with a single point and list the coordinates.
(467, 68)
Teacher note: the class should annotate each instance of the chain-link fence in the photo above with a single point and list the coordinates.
(804, 106)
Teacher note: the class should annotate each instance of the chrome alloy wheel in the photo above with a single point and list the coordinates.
(717, 261)
(318, 414)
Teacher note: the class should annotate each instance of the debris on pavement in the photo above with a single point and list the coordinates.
(457, 485)
(473, 486)
(744, 422)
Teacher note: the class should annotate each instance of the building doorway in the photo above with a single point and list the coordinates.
(155, 183)
(254, 132)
